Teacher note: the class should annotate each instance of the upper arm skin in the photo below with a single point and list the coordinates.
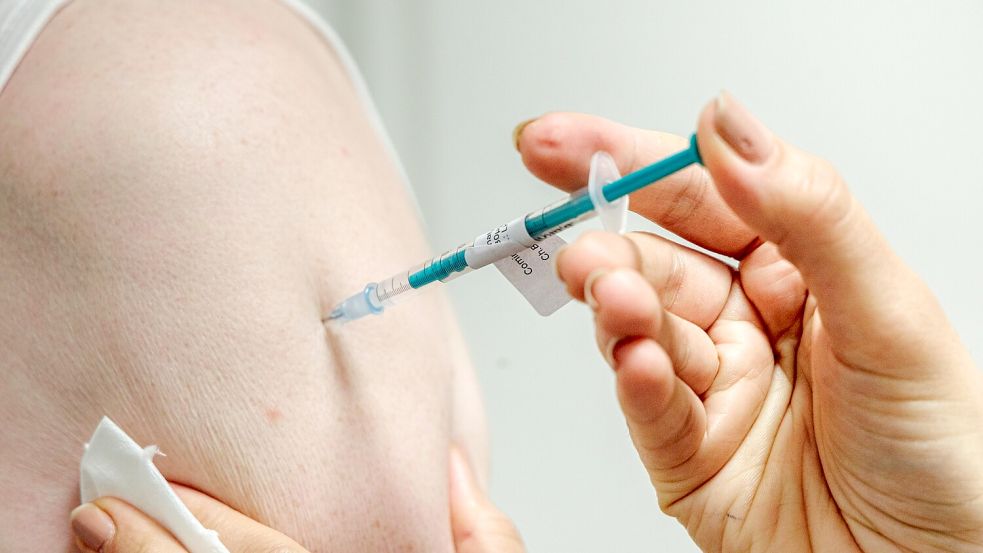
(183, 191)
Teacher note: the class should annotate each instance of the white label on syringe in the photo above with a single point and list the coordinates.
(531, 272)
(499, 243)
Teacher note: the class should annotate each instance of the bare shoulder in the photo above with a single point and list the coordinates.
(232, 102)
(184, 189)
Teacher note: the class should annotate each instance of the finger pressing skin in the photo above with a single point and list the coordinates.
(689, 284)
(626, 306)
(110, 525)
(557, 148)
(477, 526)
(238, 532)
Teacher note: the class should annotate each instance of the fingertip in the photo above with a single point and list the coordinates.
(133, 530)
(801, 203)
(557, 146)
(745, 160)
(730, 172)
(518, 130)
(476, 525)
(93, 526)
(540, 144)
(591, 251)
(704, 125)
(463, 498)
(626, 304)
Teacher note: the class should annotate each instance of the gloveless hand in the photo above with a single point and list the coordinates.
(815, 398)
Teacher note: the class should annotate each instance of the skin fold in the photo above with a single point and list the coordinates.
(182, 199)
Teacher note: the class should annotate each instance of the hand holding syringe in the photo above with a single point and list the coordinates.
(508, 239)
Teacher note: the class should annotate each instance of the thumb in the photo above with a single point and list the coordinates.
(865, 294)
(110, 525)
(478, 527)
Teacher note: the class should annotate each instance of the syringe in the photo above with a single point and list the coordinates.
(507, 239)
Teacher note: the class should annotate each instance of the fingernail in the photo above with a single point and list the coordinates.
(517, 132)
(609, 352)
(589, 287)
(618, 350)
(92, 526)
(556, 263)
(741, 130)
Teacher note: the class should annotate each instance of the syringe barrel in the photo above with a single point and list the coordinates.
(498, 243)
(539, 224)
(438, 268)
(560, 215)
(388, 289)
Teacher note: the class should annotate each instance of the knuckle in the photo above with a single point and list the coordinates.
(661, 263)
(663, 451)
(819, 198)
(686, 199)
(822, 189)
(681, 351)
(674, 281)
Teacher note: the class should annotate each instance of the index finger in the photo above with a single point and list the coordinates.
(557, 148)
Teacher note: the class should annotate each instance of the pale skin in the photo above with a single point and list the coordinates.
(814, 399)
(183, 194)
(109, 525)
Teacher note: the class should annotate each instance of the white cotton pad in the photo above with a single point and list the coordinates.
(114, 465)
